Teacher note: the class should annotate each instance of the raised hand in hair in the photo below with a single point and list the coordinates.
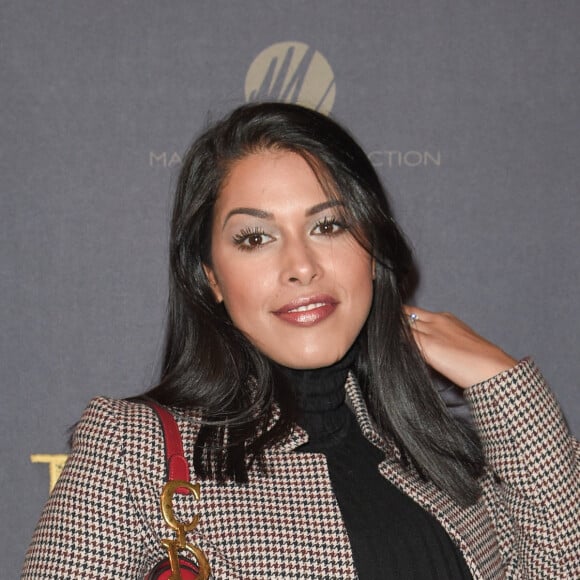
(453, 349)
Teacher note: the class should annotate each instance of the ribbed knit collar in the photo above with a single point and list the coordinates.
(320, 396)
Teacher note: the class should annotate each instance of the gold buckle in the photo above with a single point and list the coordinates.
(181, 543)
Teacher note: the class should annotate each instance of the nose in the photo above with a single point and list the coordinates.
(300, 264)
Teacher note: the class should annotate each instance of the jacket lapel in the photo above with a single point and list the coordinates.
(470, 527)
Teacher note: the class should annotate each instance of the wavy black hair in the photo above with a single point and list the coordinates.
(210, 365)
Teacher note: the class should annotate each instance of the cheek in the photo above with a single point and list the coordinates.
(363, 299)
(246, 296)
(362, 289)
(359, 271)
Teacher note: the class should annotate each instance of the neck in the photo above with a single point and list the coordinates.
(320, 398)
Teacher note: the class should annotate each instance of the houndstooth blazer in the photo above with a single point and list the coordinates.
(103, 518)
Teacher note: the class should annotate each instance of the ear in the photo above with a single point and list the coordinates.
(374, 268)
(211, 277)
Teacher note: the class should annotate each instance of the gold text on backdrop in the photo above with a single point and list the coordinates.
(55, 463)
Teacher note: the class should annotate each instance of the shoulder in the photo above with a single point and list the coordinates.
(131, 414)
(111, 418)
(129, 433)
(131, 427)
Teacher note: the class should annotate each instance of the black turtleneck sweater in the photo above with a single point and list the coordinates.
(391, 536)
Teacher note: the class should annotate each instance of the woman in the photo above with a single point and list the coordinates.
(301, 386)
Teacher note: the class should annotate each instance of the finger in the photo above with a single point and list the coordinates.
(419, 313)
(414, 322)
(417, 317)
(412, 319)
(418, 337)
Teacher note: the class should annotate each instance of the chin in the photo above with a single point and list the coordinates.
(311, 360)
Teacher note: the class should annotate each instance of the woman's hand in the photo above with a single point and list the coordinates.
(453, 349)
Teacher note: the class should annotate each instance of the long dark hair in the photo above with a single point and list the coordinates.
(210, 365)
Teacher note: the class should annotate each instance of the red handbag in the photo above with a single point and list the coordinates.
(176, 566)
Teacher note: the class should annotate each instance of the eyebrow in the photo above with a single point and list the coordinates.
(266, 215)
(324, 205)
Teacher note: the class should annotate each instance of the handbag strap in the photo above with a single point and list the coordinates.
(176, 566)
(175, 461)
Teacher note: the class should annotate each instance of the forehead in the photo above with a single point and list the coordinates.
(271, 179)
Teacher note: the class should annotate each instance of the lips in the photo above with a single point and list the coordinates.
(307, 311)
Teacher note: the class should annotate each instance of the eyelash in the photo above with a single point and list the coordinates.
(244, 235)
(331, 221)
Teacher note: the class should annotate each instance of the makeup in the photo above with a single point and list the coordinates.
(307, 311)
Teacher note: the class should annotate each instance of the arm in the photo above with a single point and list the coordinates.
(89, 527)
(528, 446)
(525, 441)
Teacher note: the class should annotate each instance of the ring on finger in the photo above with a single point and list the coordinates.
(413, 317)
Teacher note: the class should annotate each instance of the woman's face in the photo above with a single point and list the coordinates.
(291, 277)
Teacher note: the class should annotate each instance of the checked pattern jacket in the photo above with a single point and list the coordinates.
(103, 518)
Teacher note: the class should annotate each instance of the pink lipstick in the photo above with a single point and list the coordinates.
(307, 311)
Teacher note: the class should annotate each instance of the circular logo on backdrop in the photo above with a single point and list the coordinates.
(291, 72)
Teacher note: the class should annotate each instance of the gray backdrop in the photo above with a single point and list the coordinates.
(469, 110)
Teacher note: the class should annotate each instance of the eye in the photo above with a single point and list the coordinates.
(329, 226)
(251, 239)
